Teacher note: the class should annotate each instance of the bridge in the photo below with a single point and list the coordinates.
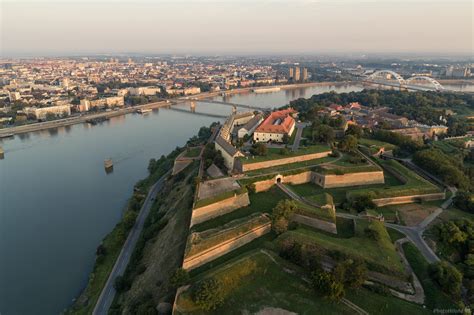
(177, 109)
(232, 104)
(391, 78)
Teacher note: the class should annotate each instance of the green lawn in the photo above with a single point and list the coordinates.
(209, 238)
(339, 194)
(435, 298)
(274, 153)
(379, 255)
(376, 144)
(225, 195)
(395, 235)
(387, 305)
(261, 202)
(415, 184)
(193, 152)
(291, 166)
(256, 281)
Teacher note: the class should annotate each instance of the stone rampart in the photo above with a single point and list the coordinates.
(219, 208)
(408, 199)
(315, 223)
(350, 179)
(225, 247)
(294, 159)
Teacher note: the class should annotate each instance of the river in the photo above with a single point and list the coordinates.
(57, 203)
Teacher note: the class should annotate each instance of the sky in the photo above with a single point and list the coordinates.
(58, 27)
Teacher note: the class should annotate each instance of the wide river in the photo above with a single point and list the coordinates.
(57, 203)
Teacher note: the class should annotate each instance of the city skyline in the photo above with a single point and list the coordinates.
(37, 27)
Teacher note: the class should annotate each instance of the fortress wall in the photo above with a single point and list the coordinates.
(408, 199)
(315, 223)
(264, 185)
(225, 247)
(301, 158)
(296, 179)
(351, 179)
(219, 208)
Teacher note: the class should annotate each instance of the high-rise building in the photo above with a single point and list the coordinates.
(305, 74)
(297, 74)
(291, 73)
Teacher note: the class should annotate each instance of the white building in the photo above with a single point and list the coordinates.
(41, 113)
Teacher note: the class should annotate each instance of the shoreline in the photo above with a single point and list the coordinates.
(124, 111)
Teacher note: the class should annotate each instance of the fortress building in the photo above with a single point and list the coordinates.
(276, 126)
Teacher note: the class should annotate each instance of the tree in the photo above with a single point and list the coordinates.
(259, 149)
(121, 284)
(179, 278)
(348, 144)
(208, 294)
(352, 273)
(281, 215)
(326, 285)
(354, 130)
(323, 134)
(362, 202)
(464, 201)
(447, 277)
(286, 138)
(129, 219)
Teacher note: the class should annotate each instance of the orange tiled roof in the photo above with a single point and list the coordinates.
(287, 122)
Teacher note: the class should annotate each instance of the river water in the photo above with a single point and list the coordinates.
(57, 202)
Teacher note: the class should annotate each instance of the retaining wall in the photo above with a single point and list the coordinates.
(315, 223)
(225, 247)
(219, 208)
(351, 179)
(408, 199)
(301, 158)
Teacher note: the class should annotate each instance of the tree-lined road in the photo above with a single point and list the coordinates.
(108, 292)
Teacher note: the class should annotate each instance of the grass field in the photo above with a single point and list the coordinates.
(339, 194)
(291, 166)
(261, 202)
(225, 195)
(274, 153)
(213, 237)
(376, 144)
(193, 152)
(435, 298)
(379, 255)
(387, 305)
(415, 184)
(257, 281)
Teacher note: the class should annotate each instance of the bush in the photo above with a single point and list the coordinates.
(121, 284)
(208, 294)
(352, 273)
(447, 277)
(281, 215)
(362, 202)
(325, 284)
(179, 278)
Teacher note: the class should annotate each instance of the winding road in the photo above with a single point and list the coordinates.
(108, 292)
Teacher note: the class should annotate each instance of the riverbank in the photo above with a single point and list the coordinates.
(111, 248)
(83, 118)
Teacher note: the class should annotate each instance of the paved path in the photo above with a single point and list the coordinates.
(108, 292)
(299, 132)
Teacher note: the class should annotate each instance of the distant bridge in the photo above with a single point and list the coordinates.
(177, 109)
(391, 78)
(232, 104)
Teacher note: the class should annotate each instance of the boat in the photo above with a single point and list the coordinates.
(266, 90)
(108, 165)
(7, 135)
(144, 111)
(2, 153)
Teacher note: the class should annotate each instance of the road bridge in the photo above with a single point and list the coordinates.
(196, 113)
(391, 78)
(233, 104)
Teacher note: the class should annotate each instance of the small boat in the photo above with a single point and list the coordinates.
(143, 111)
(7, 135)
(108, 165)
(2, 153)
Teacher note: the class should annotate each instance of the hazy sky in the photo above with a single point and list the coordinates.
(232, 26)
